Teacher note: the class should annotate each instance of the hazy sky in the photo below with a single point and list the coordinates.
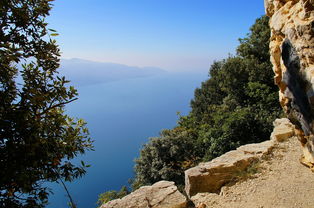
(171, 34)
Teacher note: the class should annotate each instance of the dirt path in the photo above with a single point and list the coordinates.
(282, 182)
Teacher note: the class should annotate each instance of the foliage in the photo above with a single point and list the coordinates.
(37, 139)
(235, 106)
(165, 158)
(111, 195)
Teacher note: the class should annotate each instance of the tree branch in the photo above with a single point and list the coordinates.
(54, 106)
(68, 193)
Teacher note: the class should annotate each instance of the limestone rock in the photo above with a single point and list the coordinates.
(292, 56)
(283, 130)
(281, 182)
(201, 199)
(163, 194)
(211, 176)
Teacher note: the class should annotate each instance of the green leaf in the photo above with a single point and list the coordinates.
(52, 30)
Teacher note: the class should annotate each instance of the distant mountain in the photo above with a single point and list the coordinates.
(84, 72)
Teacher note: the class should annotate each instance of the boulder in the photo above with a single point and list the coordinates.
(211, 176)
(283, 130)
(163, 194)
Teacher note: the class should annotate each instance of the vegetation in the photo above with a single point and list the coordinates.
(248, 173)
(37, 139)
(235, 106)
(165, 157)
(110, 195)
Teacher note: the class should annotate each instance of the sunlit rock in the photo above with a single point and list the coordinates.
(283, 130)
(211, 176)
(163, 194)
(292, 56)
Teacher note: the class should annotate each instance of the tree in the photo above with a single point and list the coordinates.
(235, 106)
(37, 139)
(239, 101)
(165, 158)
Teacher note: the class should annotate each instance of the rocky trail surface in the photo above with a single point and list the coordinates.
(281, 181)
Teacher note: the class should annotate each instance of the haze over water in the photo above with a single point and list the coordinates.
(181, 37)
(121, 116)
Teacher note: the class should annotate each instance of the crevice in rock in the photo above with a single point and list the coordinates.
(300, 109)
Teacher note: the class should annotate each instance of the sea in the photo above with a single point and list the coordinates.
(121, 116)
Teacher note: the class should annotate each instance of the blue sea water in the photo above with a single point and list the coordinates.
(121, 116)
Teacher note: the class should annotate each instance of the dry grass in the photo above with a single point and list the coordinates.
(249, 172)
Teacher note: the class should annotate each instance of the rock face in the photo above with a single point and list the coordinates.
(211, 176)
(292, 56)
(163, 194)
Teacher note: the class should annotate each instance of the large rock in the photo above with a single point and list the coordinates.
(211, 176)
(292, 56)
(163, 194)
(283, 130)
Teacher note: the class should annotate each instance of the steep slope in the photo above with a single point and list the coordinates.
(281, 182)
(261, 175)
(273, 177)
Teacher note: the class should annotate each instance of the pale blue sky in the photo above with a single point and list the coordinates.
(176, 35)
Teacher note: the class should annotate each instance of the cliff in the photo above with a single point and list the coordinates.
(292, 56)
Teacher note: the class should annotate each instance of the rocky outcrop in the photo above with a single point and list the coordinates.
(283, 130)
(292, 56)
(211, 176)
(279, 181)
(163, 194)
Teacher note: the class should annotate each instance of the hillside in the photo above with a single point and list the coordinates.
(262, 175)
(85, 72)
(233, 108)
(281, 182)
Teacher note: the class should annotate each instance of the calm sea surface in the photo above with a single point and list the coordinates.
(121, 116)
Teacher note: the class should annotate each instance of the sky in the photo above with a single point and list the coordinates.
(175, 35)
